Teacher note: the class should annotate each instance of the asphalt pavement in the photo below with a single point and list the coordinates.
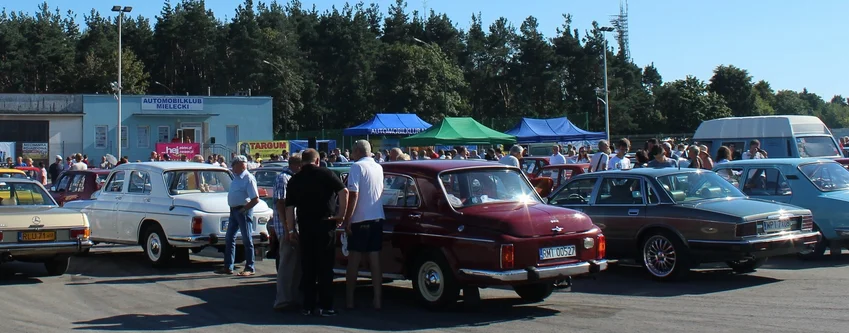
(115, 290)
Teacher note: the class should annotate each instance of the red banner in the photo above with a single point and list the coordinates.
(177, 149)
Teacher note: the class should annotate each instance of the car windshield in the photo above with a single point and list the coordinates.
(197, 181)
(817, 146)
(827, 177)
(13, 175)
(697, 185)
(266, 178)
(23, 194)
(473, 187)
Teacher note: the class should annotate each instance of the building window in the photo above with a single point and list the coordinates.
(143, 137)
(125, 142)
(100, 136)
(164, 134)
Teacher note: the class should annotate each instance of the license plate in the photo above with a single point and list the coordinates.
(776, 226)
(557, 252)
(37, 236)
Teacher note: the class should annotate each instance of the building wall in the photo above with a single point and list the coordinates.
(252, 115)
(65, 133)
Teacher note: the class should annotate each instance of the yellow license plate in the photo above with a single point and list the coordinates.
(38, 236)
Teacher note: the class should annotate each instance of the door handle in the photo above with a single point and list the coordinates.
(146, 199)
(415, 216)
(633, 212)
(118, 198)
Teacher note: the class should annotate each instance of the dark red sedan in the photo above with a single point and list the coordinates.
(453, 225)
(77, 185)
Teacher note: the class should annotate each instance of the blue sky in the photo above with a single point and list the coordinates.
(791, 44)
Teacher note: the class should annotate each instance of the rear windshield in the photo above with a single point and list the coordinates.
(817, 146)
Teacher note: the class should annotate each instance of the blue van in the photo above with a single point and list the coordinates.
(780, 136)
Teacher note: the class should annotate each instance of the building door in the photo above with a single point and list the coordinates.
(232, 139)
(193, 132)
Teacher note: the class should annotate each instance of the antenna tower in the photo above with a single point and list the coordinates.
(620, 22)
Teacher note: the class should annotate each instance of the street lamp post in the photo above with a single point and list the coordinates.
(606, 92)
(120, 10)
(164, 86)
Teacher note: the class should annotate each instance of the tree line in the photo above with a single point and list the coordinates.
(336, 68)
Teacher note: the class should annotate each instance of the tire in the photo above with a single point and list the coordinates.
(84, 253)
(156, 248)
(240, 255)
(665, 256)
(197, 250)
(534, 292)
(434, 282)
(182, 256)
(57, 266)
(818, 251)
(745, 266)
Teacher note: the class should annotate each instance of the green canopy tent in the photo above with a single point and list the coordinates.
(458, 131)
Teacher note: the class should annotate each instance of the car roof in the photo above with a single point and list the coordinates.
(18, 180)
(773, 161)
(650, 172)
(437, 166)
(165, 166)
(269, 168)
(5, 170)
(94, 171)
(567, 166)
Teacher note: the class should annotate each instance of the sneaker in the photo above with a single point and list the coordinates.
(306, 312)
(327, 313)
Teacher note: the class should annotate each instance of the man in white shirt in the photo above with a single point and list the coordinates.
(339, 157)
(620, 161)
(599, 160)
(364, 219)
(754, 151)
(513, 158)
(556, 157)
(78, 164)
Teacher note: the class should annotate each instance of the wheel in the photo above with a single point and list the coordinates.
(240, 254)
(182, 255)
(818, 251)
(84, 253)
(434, 283)
(156, 246)
(197, 250)
(57, 266)
(534, 292)
(745, 266)
(665, 256)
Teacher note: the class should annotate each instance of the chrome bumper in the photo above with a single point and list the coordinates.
(213, 239)
(22, 249)
(539, 273)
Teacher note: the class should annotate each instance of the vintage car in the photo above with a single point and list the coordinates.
(454, 224)
(843, 161)
(31, 171)
(78, 185)
(12, 173)
(561, 173)
(820, 185)
(34, 229)
(531, 165)
(672, 220)
(168, 208)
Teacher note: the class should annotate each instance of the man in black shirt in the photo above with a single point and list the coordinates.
(316, 193)
(55, 169)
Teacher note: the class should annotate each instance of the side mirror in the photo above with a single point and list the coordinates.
(545, 200)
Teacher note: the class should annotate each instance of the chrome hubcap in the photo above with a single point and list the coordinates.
(154, 247)
(659, 256)
(430, 281)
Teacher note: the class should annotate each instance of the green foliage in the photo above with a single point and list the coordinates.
(735, 86)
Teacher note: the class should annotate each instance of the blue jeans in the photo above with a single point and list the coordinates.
(239, 222)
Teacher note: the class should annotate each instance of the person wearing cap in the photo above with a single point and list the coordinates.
(55, 169)
(241, 198)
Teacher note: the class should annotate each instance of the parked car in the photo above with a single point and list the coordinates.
(779, 136)
(843, 161)
(561, 173)
(77, 185)
(35, 229)
(532, 165)
(265, 179)
(31, 172)
(12, 173)
(821, 185)
(168, 208)
(454, 224)
(672, 220)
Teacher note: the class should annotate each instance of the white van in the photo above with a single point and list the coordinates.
(780, 136)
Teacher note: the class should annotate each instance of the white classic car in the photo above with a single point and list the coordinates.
(34, 229)
(168, 208)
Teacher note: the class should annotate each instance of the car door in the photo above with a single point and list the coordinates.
(60, 190)
(76, 188)
(104, 215)
(767, 183)
(402, 208)
(131, 210)
(619, 209)
(576, 194)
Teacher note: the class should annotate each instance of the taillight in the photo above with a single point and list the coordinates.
(1, 236)
(747, 229)
(80, 233)
(807, 223)
(602, 247)
(197, 225)
(508, 259)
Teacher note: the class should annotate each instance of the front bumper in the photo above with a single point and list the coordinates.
(538, 273)
(714, 251)
(213, 239)
(28, 249)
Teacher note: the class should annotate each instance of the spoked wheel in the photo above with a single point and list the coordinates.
(156, 247)
(665, 256)
(746, 265)
(434, 282)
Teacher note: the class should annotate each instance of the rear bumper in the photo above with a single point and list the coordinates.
(537, 273)
(842, 233)
(712, 251)
(27, 249)
(213, 239)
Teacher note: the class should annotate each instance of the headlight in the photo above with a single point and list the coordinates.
(589, 243)
(262, 220)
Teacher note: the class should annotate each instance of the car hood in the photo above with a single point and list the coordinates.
(210, 202)
(48, 216)
(746, 208)
(527, 220)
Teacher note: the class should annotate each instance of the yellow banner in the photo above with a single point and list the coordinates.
(263, 148)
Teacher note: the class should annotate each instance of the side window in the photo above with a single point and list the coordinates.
(732, 175)
(575, 193)
(766, 182)
(63, 182)
(620, 191)
(77, 184)
(116, 183)
(399, 191)
(139, 183)
(651, 196)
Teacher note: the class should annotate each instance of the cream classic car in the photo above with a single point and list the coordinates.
(34, 229)
(168, 208)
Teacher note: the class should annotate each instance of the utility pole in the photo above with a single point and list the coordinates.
(120, 10)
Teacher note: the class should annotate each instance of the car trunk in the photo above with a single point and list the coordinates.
(21, 217)
(528, 220)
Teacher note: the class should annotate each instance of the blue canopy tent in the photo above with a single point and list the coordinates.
(389, 124)
(531, 130)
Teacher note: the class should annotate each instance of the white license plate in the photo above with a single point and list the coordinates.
(776, 226)
(557, 252)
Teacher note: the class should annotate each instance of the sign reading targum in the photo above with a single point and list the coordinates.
(264, 148)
